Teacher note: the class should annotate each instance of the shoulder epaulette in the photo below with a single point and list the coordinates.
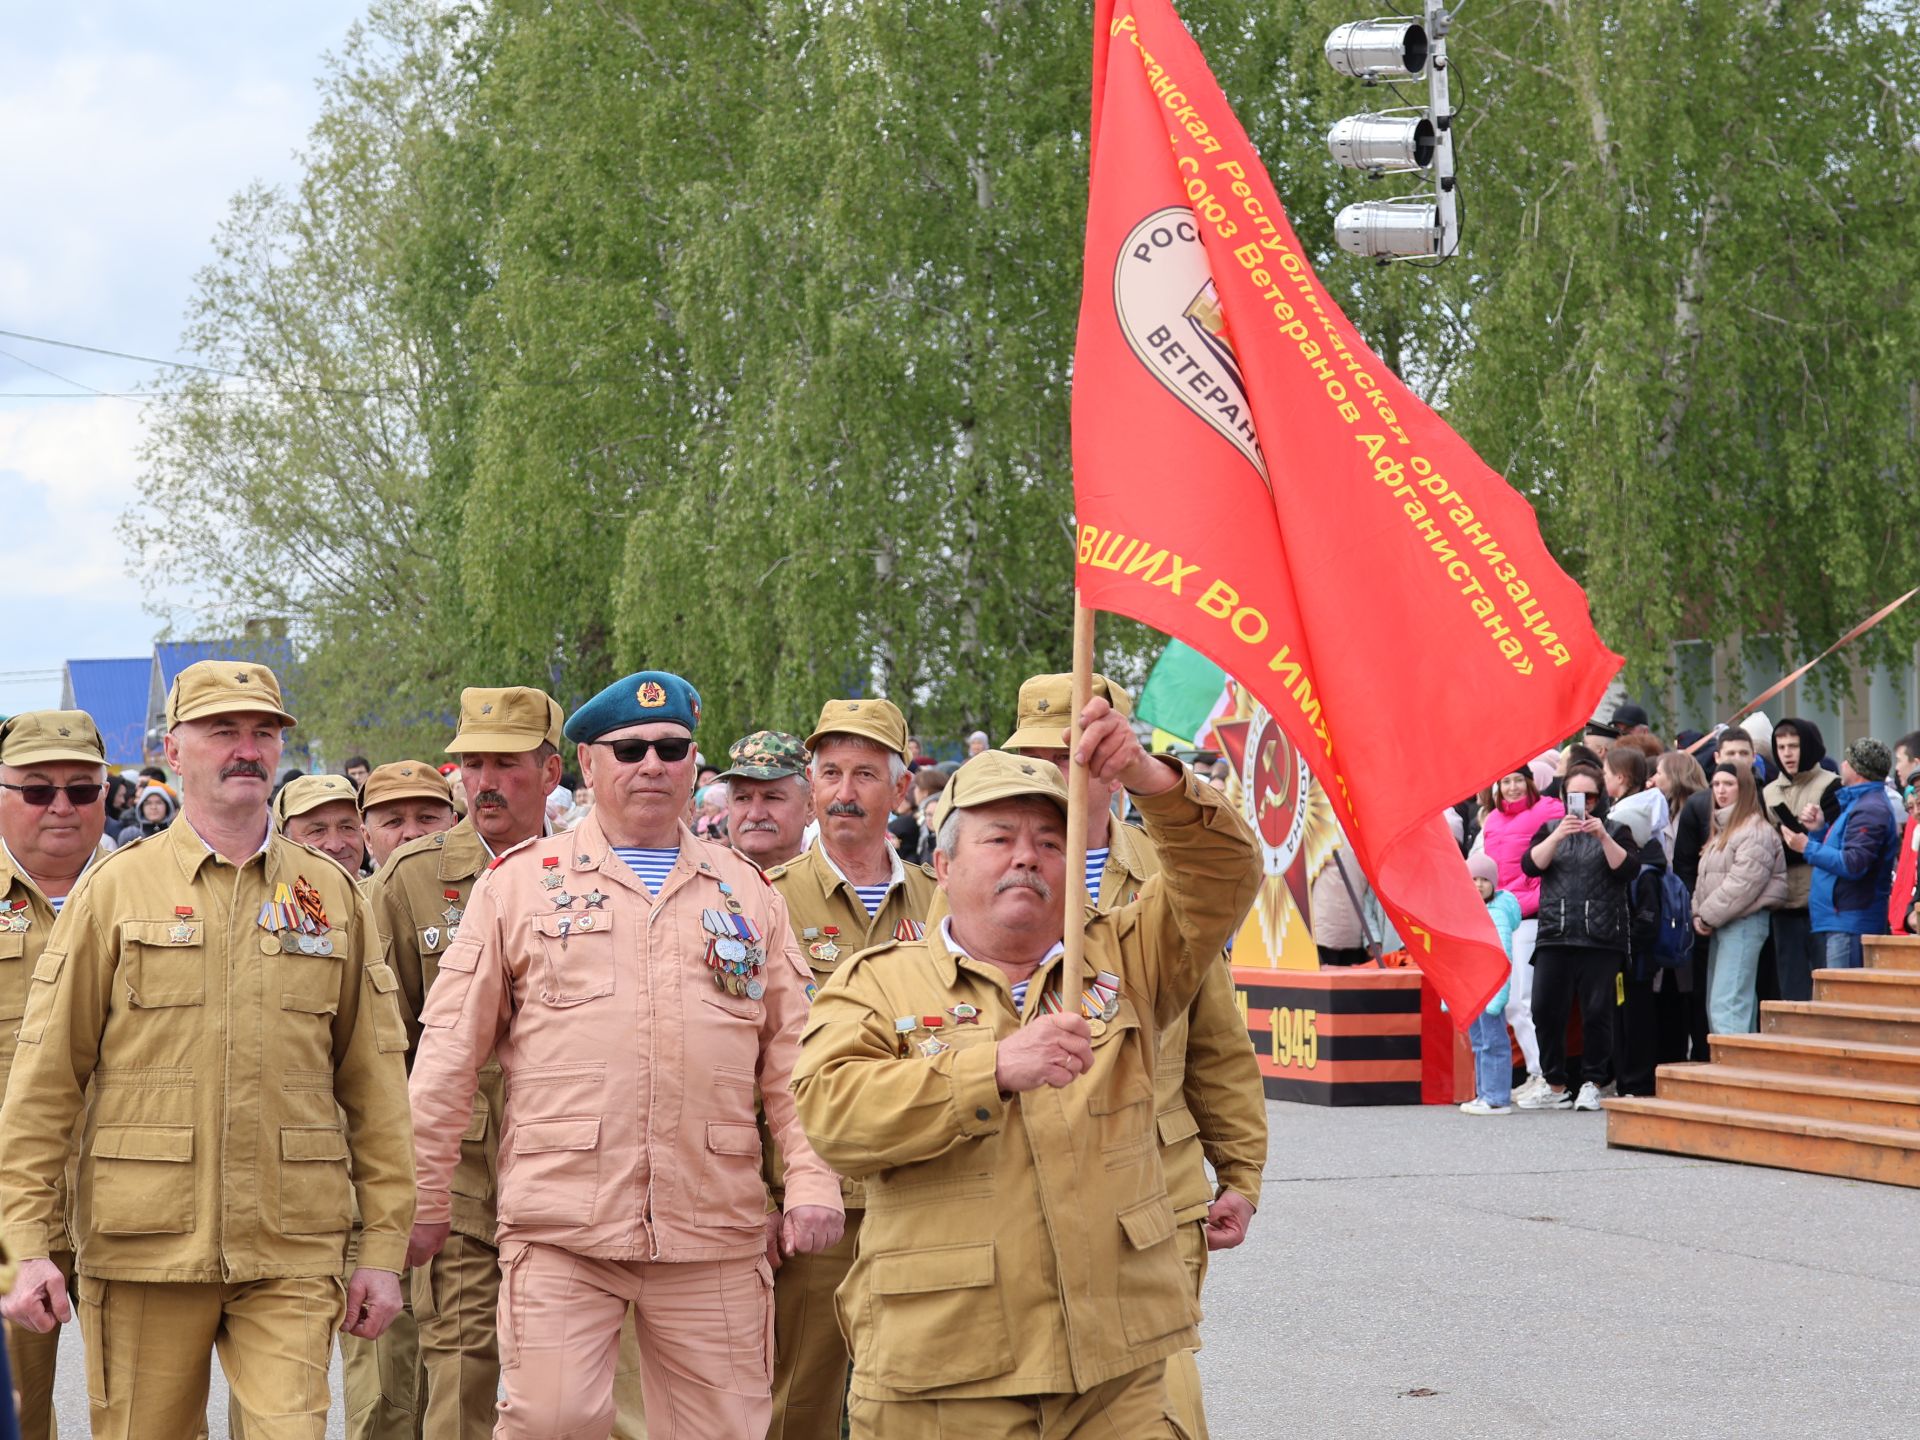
(774, 872)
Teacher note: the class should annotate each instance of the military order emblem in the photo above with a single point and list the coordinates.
(652, 695)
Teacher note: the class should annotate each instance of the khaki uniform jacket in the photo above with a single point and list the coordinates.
(20, 952)
(819, 897)
(630, 1076)
(411, 905)
(220, 1063)
(1208, 1100)
(1023, 1245)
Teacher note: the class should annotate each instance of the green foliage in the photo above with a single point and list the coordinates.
(736, 338)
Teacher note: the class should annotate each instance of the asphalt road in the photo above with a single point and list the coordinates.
(1420, 1273)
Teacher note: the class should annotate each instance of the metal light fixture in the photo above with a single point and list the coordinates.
(1384, 143)
(1401, 229)
(1392, 48)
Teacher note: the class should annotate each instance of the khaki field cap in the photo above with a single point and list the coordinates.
(1046, 710)
(996, 775)
(506, 721)
(225, 687)
(404, 780)
(876, 720)
(51, 735)
(310, 792)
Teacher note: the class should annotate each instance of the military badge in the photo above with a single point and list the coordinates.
(432, 937)
(652, 695)
(909, 930)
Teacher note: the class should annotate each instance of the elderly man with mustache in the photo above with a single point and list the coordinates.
(214, 1000)
(1018, 1270)
(508, 745)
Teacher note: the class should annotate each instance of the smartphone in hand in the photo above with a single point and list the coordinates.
(1787, 818)
(1577, 804)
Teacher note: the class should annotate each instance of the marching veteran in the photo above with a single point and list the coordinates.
(508, 745)
(402, 802)
(323, 811)
(52, 815)
(1208, 1100)
(845, 893)
(214, 998)
(1018, 1269)
(639, 985)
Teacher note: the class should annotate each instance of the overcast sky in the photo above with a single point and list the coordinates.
(129, 124)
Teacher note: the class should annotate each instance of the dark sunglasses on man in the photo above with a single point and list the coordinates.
(631, 751)
(40, 796)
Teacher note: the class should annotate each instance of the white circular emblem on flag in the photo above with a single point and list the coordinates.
(1164, 299)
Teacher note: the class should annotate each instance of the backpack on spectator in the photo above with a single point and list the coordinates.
(1662, 919)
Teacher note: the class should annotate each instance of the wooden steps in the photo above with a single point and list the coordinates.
(1830, 1085)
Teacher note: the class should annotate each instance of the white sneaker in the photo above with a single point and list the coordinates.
(1479, 1106)
(1532, 1085)
(1547, 1098)
(1589, 1097)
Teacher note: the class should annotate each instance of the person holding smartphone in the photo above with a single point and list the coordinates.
(1586, 868)
(1798, 749)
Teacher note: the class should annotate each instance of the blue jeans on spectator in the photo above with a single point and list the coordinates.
(1733, 961)
(1492, 1059)
(1843, 951)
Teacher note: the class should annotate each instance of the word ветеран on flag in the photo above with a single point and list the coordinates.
(1249, 478)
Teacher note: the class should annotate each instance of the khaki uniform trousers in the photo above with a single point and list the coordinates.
(35, 1358)
(381, 1379)
(150, 1354)
(1183, 1371)
(811, 1362)
(1129, 1407)
(456, 1300)
(705, 1333)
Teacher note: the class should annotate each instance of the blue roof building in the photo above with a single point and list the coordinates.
(114, 693)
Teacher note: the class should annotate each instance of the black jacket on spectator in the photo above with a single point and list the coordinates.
(1690, 837)
(1583, 899)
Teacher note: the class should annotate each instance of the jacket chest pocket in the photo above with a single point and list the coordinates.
(13, 976)
(310, 983)
(576, 963)
(164, 962)
(1121, 1099)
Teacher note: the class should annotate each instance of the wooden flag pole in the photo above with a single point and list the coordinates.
(1072, 971)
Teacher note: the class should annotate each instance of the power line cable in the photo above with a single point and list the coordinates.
(63, 379)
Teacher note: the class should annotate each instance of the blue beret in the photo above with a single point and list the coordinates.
(647, 696)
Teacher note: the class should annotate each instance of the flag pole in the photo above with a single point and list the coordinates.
(1074, 936)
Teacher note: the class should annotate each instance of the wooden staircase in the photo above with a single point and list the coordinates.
(1830, 1085)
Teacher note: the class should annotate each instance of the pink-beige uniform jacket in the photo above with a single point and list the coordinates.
(630, 1075)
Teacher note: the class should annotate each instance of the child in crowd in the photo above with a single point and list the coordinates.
(1492, 1053)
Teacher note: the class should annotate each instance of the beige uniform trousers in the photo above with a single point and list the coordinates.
(150, 1354)
(705, 1333)
(1183, 1371)
(381, 1379)
(1130, 1407)
(35, 1358)
(811, 1361)
(456, 1299)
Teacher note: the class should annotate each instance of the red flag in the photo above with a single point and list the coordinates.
(1250, 478)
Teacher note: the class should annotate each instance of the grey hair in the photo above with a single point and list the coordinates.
(726, 786)
(948, 835)
(896, 767)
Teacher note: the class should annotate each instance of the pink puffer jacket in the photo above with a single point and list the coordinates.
(1505, 836)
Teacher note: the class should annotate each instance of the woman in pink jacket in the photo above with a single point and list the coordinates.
(1518, 812)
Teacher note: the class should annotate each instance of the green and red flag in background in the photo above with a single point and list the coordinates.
(1249, 478)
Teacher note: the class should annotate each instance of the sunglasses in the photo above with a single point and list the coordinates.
(40, 796)
(672, 749)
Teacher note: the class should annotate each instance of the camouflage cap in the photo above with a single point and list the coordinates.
(405, 780)
(510, 721)
(766, 755)
(225, 687)
(310, 792)
(877, 720)
(997, 775)
(42, 735)
(1045, 710)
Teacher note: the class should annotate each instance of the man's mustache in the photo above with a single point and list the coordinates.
(244, 767)
(1027, 879)
(847, 807)
(750, 825)
(490, 797)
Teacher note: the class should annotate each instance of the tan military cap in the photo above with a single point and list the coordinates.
(997, 775)
(310, 792)
(225, 687)
(506, 721)
(404, 780)
(876, 720)
(1045, 710)
(51, 735)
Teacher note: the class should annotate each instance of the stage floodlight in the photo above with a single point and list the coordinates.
(1383, 143)
(1385, 49)
(1390, 229)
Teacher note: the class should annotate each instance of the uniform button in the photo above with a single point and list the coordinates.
(983, 1113)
